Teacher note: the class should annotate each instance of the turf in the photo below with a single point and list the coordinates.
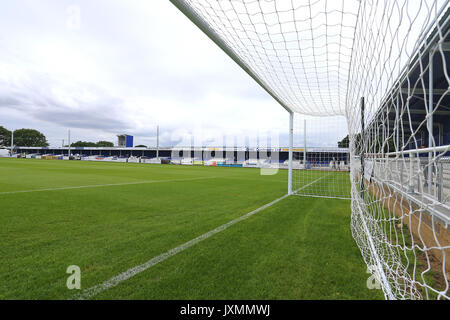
(322, 183)
(299, 248)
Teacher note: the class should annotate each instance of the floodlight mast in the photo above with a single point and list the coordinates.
(204, 26)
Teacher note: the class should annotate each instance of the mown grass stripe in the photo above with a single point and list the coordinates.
(104, 185)
(114, 281)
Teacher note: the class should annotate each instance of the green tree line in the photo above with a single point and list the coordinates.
(92, 144)
(376, 146)
(34, 138)
(23, 138)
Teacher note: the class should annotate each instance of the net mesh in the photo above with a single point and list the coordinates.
(383, 65)
(321, 159)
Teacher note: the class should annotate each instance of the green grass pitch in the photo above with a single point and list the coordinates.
(109, 217)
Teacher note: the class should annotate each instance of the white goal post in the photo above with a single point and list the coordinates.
(383, 66)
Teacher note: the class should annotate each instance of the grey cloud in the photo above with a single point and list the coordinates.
(81, 119)
(9, 101)
(38, 101)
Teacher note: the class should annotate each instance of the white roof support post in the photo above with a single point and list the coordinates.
(291, 143)
(397, 124)
(411, 173)
(430, 121)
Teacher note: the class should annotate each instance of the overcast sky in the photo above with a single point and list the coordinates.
(106, 67)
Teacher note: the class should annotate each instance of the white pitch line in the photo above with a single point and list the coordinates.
(114, 281)
(104, 185)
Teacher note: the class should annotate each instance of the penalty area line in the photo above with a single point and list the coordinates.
(114, 281)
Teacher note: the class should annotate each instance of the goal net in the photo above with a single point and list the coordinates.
(321, 158)
(383, 66)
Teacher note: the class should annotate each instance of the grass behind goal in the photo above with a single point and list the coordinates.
(109, 217)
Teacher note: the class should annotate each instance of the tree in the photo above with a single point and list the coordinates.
(5, 137)
(104, 144)
(389, 145)
(344, 143)
(29, 138)
(92, 144)
(80, 144)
